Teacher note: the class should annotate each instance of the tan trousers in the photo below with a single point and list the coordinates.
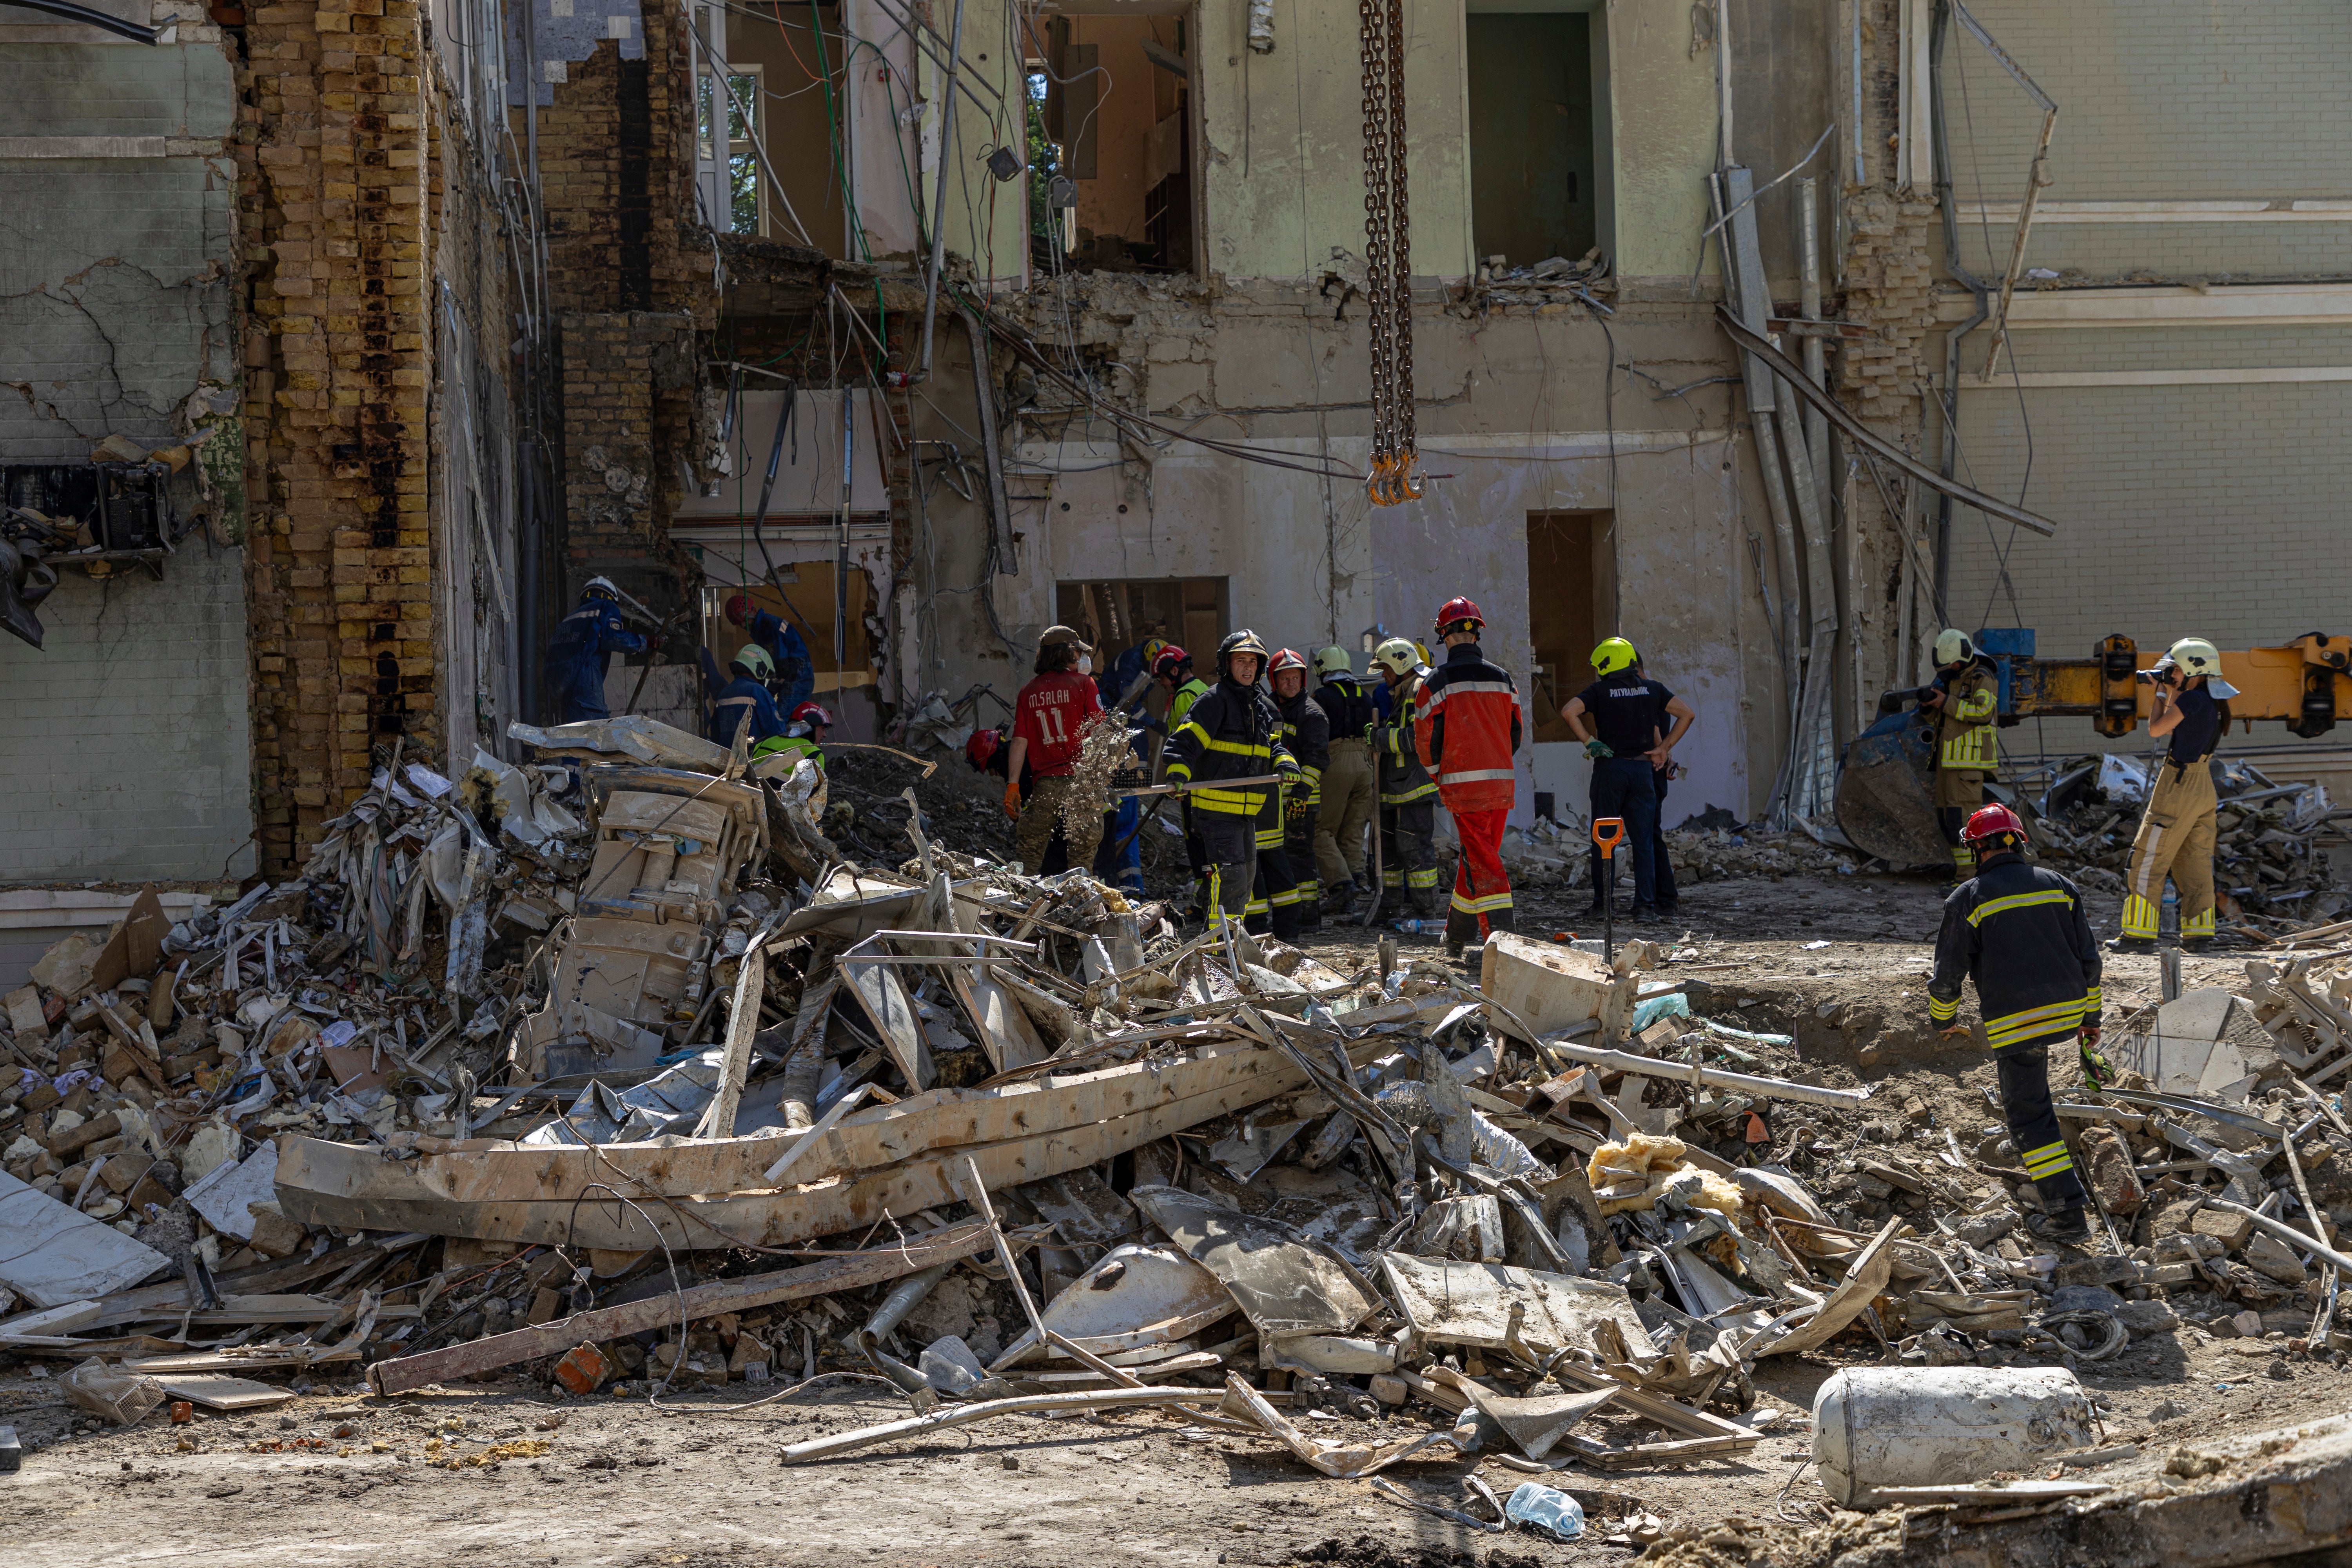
(1041, 813)
(1350, 794)
(2176, 836)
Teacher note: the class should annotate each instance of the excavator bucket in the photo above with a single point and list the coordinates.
(1883, 799)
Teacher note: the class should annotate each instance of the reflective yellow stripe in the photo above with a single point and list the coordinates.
(2048, 1160)
(1409, 796)
(1943, 1011)
(2200, 924)
(1485, 906)
(2092, 1000)
(1423, 878)
(1973, 751)
(2140, 917)
(2009, 1028)
(2018, 901)
(1238, 751)
(1978, 707)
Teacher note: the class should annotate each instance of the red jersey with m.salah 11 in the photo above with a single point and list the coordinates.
(1049, 714)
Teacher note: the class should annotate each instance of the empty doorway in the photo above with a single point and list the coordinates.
(1571, 606)
(1535, 173)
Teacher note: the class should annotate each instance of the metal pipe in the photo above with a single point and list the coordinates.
(1723, 78)
(939, 191)
(1950, 434)
(1855, 135)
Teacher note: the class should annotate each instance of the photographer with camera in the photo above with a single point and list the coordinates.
(1963, 698)
(2175, 831)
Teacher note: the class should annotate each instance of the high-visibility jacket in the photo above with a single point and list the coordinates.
(2019, 932)
(798, 745)
(1403, 779)
(1965, 738)
(1467, 731)
(1228, 731)
(1192, 691)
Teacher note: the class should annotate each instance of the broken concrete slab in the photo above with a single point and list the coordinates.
(1491, 1306)
(54, 1255)
(1284, 1282)
(223, 1196)
(1544, 986)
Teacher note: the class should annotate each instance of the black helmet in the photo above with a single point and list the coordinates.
(1242, 641)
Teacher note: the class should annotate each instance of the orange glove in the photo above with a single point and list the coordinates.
(1013, 798)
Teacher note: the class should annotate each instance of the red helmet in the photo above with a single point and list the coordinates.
(810, 713)
(983, 745)
(1285, 658)
(1172, 659)
(1991, 822)
(738, 608)
(1459, 614)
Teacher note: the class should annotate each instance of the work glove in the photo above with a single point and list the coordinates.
(2097, 1071)
(1294, 812)
(1013, 798)
(1597, 748)
(1287, 769)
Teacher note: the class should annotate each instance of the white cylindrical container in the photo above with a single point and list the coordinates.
(1904, 1426)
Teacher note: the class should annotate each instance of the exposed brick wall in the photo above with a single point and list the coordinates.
(334, 220)
(628, 380)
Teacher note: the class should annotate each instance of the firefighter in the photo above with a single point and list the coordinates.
(746, 694)
(1049, 721)
(1962, 698)
(1628, 712)
(803, 734)
(2020, 934)
(1468, 731)
(1306, 732)
(1229, 731)
(583, 646)
(1408, 794)
(1348, 791)
(795, 670)
(1173, 670)
(2175, 830)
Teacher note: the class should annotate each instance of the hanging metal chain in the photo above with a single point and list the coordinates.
(1388, 258)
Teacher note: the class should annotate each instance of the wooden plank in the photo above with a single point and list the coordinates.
(742, 1023)
(486, 1172)
(827, 1207)
(965, 1415)
(849, 1271)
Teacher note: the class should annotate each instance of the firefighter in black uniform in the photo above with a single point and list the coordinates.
(1230, 731)
(1307, 733)
(2019, 932)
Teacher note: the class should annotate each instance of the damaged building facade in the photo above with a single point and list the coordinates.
(412, 318)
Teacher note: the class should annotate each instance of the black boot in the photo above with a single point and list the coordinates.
(2067, 1227)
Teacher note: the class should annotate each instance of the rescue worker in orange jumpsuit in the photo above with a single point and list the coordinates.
(1468, 731)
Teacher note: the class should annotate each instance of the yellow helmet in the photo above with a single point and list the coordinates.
(1614, 655)
(1397, 656)
(756, 660)
(1334, 661)
(1953, 646)
(2195, 656)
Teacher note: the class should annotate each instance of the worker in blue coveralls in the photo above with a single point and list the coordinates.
(748, 691)
(1120, 860)
(583, 646)
(795, 671)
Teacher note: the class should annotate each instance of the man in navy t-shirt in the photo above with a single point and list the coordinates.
(1627, 713)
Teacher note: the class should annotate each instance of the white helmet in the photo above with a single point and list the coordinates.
(602, 587)
(1953, 646)
(2195, 656)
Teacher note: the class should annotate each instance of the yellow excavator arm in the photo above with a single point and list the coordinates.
(2307, 683)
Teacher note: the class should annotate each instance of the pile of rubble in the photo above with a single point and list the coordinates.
(616, 1071)
(1710, 846)
(2271, 871)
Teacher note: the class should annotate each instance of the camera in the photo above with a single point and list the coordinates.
(2165, 673)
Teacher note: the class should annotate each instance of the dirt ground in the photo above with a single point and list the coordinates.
(608, 1480)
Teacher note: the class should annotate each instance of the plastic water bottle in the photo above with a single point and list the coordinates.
(1422, 927)
(1554, 1513)
(2168, 923)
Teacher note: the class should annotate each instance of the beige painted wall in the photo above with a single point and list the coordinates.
(1284, 136)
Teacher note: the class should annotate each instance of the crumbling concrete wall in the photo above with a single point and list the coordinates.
(1516, 419)
(118, 255)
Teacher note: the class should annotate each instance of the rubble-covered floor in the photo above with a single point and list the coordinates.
(1824, 970)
